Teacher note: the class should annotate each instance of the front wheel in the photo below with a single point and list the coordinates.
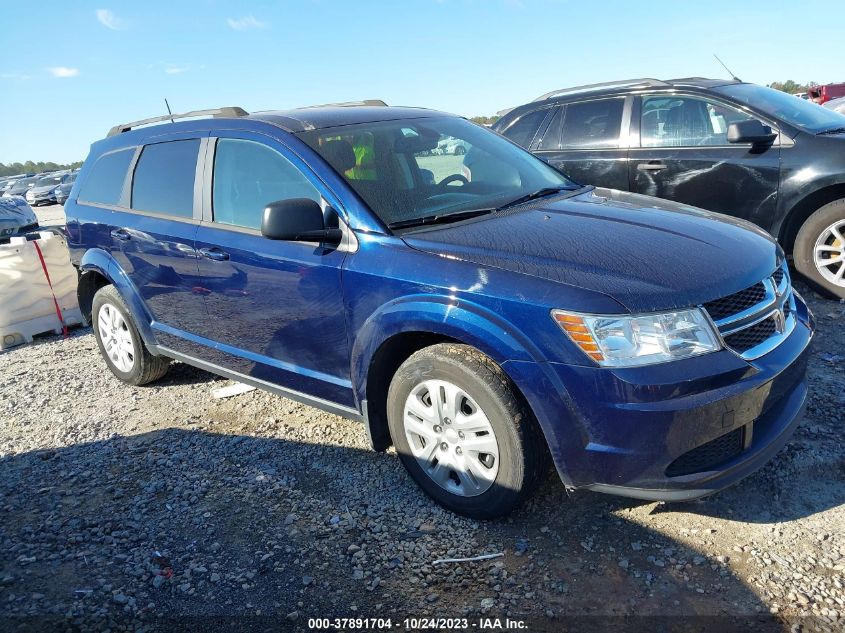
(819, 251)
(463, 433)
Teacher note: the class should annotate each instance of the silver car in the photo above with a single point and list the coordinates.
(837, 105)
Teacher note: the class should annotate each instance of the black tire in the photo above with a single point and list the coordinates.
(146, 368)
(805, 242)
(523, 454)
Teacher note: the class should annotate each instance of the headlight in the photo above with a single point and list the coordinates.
(631, 341)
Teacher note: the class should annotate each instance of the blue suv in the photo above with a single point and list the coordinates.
(482, 319)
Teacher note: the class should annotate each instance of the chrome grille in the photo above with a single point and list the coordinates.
(751, 337)
(752, 322)
(737, 302)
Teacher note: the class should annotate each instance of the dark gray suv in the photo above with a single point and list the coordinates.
(727, 146)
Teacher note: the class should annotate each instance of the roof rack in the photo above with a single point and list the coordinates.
(229, 112)
(350, 104)
(646, 82)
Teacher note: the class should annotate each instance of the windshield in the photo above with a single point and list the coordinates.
(49, 180)
(415, 168)
(798, 112)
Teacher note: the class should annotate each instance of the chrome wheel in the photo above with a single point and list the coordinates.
(116, 338)
(451, 438)
(829, 253)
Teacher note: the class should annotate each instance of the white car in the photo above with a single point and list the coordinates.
(16, 216)
(451, 145)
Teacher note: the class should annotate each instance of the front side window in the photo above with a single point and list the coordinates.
(674, 121)
(524, 129)
(248, 176)
(438, 166)
(164, 178)
(592, 124)
(104, 182)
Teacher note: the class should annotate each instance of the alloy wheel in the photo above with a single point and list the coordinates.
(829, 253)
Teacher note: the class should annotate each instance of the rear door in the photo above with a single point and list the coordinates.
(275, 308)
(153, 239)
(682, 154)
(585, 140)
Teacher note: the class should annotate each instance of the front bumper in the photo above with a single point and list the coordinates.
(624, 431)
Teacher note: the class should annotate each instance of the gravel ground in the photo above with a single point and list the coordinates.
(161, 508)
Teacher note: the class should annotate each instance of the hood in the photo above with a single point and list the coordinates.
(646, 253)
(44, 188)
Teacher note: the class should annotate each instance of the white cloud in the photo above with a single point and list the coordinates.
(175, 69)
(63, 71)
(110, 20)
(246, 22)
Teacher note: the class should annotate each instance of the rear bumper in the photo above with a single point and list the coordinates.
(626, 432)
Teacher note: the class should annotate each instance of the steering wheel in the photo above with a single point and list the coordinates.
(450, 179)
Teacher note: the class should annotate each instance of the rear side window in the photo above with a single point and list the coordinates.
(523, 130)
(551, 136)
(164, 178)
(104, 183)
(248, 176)
(592, 124)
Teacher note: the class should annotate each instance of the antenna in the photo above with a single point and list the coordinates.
(734, 77)
(170, 112)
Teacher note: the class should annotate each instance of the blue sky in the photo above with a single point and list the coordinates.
(72, 69)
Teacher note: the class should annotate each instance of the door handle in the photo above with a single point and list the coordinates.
(214, 254)
(652, 166)
(121, 234)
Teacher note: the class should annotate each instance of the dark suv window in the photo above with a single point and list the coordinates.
(523, 130)
(164, 178)
(592, 123)
(248, 176)
(104, 183)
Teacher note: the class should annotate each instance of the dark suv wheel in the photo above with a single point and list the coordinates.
(119, 340)
(819, 250)
(463, 433)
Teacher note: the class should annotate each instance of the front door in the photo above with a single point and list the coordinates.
(275, 308)
(683, 154)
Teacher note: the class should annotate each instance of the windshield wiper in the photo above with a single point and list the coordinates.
(836, 130)
(540, 193)
(442, 218)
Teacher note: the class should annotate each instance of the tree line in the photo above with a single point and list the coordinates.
(31, 167)
(792, 87)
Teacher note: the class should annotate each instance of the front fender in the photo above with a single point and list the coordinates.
(100, 261)
(460, 320)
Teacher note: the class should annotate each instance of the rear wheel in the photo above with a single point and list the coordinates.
(119, 340)
(463, 433)
(819, 251)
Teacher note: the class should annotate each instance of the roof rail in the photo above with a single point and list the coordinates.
(349, 104)
(229, 112)
(646, 82)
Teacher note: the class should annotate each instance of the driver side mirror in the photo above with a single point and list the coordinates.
(297, 220)
(751, 131)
